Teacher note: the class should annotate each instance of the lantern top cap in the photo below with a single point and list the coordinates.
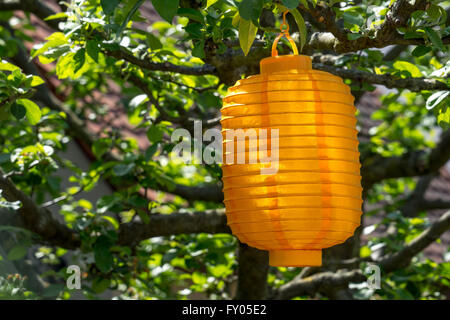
(285, 64)
(288, 63)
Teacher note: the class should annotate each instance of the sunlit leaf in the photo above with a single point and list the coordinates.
(247, 34)
(166, 9)
(109, 6)
(250, 9)
(33, 113)
(407, 66)
(301, 27)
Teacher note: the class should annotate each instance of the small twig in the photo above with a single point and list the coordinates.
(60, 199)
(198, 89)
(17, 96)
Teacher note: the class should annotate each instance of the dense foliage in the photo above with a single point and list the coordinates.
(167, 73)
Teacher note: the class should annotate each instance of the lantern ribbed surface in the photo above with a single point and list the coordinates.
(314, 199)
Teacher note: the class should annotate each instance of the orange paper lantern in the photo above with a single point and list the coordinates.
(313, 200)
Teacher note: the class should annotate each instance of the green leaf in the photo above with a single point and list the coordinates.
(144, 216)
(150, 152)
(113, 221)
(198, 278)
(18, 111)
(128, 17)
(217, 34)
(56, 39)
(364, 252)
(443, 117)
(166, 9)
(191, 14)
(210, 3)
(33, 112)
(199, 49)
(65, 66)
(105, 203)
(434, 38)
(436, 98)
(92, 49)
(353, 18)
(155, 134)
(404, 294)
(59, 15)
(247, 34)
(407, 66)
(154, 42)
(101, 146)
(353, 36)
(235, 20)
(420, 51)
(194, 30)
(305, 3)
(17, 253)
(53, 290)
(208, 100)
(219, 271)
(109, 6)
(6, 66)
(123, 169)
(103, 256)
(433, 11)
(4, 158)
(72, 65)
(79, 58)
(53, 54)
(100, 284)
(291, 4)
(250, 9)
(301, 27)
(36, 81)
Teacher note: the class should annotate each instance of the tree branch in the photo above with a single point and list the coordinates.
(185, 118)
(38, 8)
(434, 204)
(206, 192)
(412, 84)
(320, 282)
(417, 202)
(124, 54)
(336, 39)
(403, 257)
(413, 203)
(232, 64)
(15, 97)
(37, 219)
(40, 221)
(172, 224)
(410, 164)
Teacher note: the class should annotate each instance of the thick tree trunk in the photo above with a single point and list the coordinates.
(252, 273)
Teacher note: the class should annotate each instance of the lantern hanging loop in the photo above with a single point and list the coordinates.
(284, 32)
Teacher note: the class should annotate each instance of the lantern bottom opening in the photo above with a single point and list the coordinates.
(295, 258)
